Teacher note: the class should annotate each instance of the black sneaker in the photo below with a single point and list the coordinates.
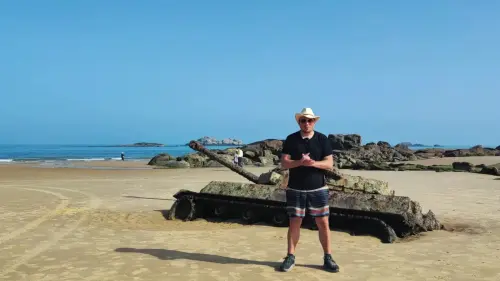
(288, 263)
(329, 264)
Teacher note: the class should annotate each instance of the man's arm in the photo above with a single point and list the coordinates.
(325, 164)
(288, 163)
(286, 159)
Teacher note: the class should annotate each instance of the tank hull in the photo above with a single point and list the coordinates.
(382, 216)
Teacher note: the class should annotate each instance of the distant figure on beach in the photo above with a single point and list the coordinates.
(235, 158)
(307, 154)
(123, 156)
(240, 157)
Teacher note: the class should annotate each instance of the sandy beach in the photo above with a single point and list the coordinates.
(108, 224)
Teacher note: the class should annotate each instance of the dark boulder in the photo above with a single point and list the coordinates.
(372, 155)
(477, 150)
(258, 148)
(402, 146)
(463, 166)
(160, 159)
(491, 170)
(429, 153)
(344, 142)
(384, 144)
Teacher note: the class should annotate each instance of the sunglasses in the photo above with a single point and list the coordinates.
(303, 120)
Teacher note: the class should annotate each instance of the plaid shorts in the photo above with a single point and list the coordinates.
(316, 202)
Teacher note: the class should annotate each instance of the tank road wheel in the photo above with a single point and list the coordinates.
(279, 218)
(249, 215)
(371, 226)
(184, 209)
(220, 211)
(387, 233)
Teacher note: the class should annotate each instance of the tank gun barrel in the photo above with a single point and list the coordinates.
(334, 174)
(235, 168)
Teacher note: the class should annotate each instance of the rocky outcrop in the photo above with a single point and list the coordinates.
(165, 160)
(348, 153)
(174, 164)
(477, 150)
(462, 166)
(372, 153)
(263, 153)
(454, 167)
(375, 156)
(403, 167)
(207, 141)
(489, 170)
(160, 159)
(344, 142)
(429, 153)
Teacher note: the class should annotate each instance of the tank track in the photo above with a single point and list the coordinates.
(191, 205)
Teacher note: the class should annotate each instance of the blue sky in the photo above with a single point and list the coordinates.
(170, 71)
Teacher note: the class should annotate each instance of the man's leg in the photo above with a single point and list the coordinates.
(319, 209)
(296, 210)
(324, 233)
(293, 234)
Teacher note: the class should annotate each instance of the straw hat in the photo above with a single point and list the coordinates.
(306, 112)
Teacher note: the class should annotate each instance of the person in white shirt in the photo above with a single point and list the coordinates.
(239, 157)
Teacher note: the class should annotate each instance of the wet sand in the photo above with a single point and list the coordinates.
(475, 160)
(83, 224)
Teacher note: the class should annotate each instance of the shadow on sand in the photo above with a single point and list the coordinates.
(152, 198)
(164, 254)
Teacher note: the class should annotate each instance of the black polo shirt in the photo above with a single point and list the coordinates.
(318, 147)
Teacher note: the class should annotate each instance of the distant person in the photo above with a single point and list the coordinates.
(307, 154)
(123, 156)
(235, 158)
(240, 157)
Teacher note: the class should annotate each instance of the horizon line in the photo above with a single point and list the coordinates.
(243, 144)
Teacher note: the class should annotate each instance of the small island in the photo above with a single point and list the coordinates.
(211, 141)
(143, 144)
(409, 144)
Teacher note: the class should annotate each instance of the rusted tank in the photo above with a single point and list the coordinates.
(358, 208)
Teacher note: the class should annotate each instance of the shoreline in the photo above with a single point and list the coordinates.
(139, 164)
(142, 164)
(176, 154)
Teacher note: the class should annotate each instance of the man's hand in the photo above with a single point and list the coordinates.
(309, 163)
(306, 160)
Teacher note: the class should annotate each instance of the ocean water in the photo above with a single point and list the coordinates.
(51, 153)
(36, 153)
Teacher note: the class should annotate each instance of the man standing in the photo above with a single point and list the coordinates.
(240, 157)
(307, 154)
